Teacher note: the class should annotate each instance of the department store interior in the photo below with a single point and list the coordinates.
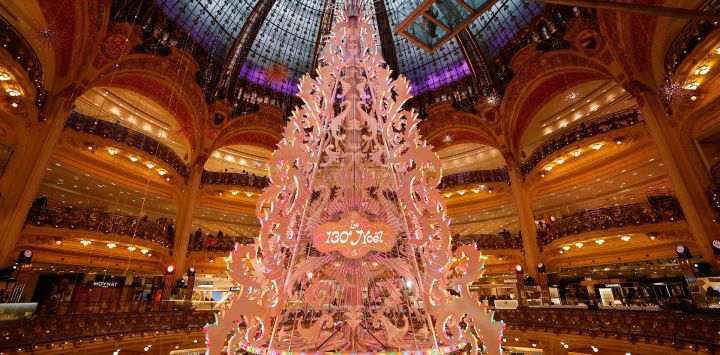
(360, 177)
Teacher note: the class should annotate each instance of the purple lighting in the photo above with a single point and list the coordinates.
(441, 77)
(256, 75)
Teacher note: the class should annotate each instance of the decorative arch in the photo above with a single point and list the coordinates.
(463, 127)
(539, 77)
(169, 81)
(261, 129)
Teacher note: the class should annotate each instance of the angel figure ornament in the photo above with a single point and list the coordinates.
(354, 249)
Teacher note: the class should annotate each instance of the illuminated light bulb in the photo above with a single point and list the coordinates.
(566, 346)
(14, 105)
(248, 194)
(408, 283)
(476, 190)
(58, 242)
(566, 247)
(600, 241)
(133, 158)
(596, 146)
(652, 237)
(111, 245)
(559, 161)
(149, 165)
(85, 242)
(704, 69)
(234, 192)
(309, 275)
(13, 92)
(162, 172)
(112, 151)
(5, 76)
(625, 238)
(447, 195)
(576, 153)
(132, 248)
(579, 245)
(461, 192)
(693, 98)
(548, 167)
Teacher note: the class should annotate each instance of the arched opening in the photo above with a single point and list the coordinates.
(137, 112)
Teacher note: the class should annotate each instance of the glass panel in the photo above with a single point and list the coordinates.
(449, 12)
(426, 31)
(476, 4)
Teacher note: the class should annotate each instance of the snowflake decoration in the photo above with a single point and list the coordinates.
(447, 139)
(493, 100)
(573, 96)
(44, 35)
(673, 93)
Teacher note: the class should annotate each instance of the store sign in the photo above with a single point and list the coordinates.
(619, 285)
(105, 284)
(354, 236)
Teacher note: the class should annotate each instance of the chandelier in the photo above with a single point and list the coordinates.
(354, 251)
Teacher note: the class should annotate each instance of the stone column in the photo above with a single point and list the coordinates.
(520, 198)
(690, 191)
(184, 217)
(24, 173)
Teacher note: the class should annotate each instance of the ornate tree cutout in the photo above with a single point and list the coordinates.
(351, 149)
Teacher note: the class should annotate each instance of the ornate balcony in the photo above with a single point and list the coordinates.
(235, 179)
(40, 331)
(678, 329)
(691, 35)
(474, 177)
(579, 132)
(24, 54)
(490, 241)
(217, 243)
(663, 208)
(129, 137)
(94, 220)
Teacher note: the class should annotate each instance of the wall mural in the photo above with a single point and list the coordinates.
(354, 252)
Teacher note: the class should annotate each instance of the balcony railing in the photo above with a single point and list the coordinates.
(657, 210)
(235, 179)
(216, 243)
(671, 328)
(474, 177)
(579, 132)
(689, 37)
(490, 241)
(22, 52)
(129, 137)
(74, 329)
(94, 220)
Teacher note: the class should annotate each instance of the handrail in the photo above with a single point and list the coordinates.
(94, 220)
(23, 53)
(474, 177)
(688, 38)
(490, 241)
(78, 327)
(129, 137)
(236, 179)
(578, 132)
(215, 243)
(659, 209)
(677, 329)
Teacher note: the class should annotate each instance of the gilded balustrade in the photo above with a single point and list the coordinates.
(657, 210)
(95, 220)
(671, 328)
